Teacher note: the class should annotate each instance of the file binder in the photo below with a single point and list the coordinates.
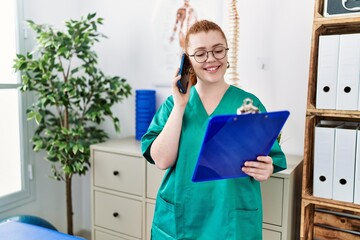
(230, 140)
(344, 162)
(324, 142)
(348, 72)
(327, 71)
(357, 170)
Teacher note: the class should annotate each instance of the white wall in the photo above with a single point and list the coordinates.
(274, 33)
(274, 56)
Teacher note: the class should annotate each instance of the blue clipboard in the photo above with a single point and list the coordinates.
(230, 140)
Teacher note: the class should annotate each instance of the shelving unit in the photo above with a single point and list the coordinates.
(325, 218)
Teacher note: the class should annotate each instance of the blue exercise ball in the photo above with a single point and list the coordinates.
(30, 220)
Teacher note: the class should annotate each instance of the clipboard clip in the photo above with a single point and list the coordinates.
(247, 107)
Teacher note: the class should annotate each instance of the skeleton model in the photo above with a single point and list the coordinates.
(233, 76)
(185, 17)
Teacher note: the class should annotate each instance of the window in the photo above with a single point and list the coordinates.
(14, 162)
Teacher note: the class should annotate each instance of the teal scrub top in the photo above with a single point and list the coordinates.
(221, 209)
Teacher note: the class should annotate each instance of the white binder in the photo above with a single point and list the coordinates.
(344, 162)
(348, 72)
(357, 171)
(324, 143)
(327, 71)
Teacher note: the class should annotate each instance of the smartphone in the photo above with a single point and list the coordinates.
(183, 83)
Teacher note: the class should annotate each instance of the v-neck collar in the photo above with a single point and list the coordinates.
(200, 103)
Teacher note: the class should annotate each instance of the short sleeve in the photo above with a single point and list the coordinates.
(156, 126)
(278, 157)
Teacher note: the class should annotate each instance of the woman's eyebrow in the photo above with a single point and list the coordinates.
(213, 46)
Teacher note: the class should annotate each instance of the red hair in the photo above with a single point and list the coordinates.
(198, 27)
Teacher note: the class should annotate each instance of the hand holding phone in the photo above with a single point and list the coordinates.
(183, 83)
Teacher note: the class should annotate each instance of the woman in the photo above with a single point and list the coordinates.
(223, 209)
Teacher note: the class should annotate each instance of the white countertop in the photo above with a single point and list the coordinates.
(132, 147)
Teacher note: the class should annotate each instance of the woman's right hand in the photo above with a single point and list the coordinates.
(180, 99)
(164, 149)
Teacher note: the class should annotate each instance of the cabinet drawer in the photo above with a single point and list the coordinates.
(104, 236)
(118, 214)
(150, 209)
(119, 172)
(154, 177)
(272, 194)
(271, 235)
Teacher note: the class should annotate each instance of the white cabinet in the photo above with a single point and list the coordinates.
(124, 187)
(123, 191)
(282, 201)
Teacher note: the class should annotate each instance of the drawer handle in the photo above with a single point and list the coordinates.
(115, 214)
(116, 173)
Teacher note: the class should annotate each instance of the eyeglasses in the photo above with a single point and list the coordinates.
(202, 55)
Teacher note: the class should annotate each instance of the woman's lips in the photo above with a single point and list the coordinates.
(212, 68)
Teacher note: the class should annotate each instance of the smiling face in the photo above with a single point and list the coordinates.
(212, 70)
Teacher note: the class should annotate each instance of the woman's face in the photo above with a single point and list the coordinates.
(212, 70)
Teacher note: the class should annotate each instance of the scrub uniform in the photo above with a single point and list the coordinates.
(221, 209)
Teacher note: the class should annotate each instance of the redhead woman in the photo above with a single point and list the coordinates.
(221, 209)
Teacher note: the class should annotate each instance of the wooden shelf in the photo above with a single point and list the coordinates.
(323, 218)
(309, 199)
(340, 114)
(352, 20)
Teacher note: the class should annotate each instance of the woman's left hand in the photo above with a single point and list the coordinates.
(261, 169)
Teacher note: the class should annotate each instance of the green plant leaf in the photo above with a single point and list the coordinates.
(38, 118)
(91, 16)
(75, 149)
(31, 115)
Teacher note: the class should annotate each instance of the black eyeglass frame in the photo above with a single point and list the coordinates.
(207, 54)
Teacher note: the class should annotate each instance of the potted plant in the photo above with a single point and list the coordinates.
(73, 96)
